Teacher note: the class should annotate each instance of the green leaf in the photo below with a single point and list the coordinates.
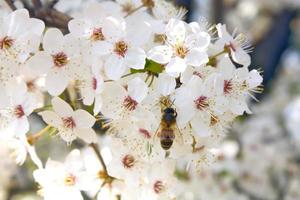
(150, 66)
(153, 67)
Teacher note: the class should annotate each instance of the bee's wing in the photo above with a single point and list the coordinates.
(178, 135)
(157, 133)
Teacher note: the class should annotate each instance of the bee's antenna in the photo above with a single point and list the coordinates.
(173, 102)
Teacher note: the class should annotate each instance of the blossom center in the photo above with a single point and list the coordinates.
(6, 42)
(201, 103)
(31, 85)
(228, 86)
(158, 187)
(19, 111)
(130, 103)
(181, 51)
(97, 35)
(60, 59)
(128, 161)
(127, 7)
(69, 122)
(70, 180)
(121, 48)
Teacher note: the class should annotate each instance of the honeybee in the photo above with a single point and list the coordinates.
(168, 130)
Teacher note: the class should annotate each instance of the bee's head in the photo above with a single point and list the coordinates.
(171, 111)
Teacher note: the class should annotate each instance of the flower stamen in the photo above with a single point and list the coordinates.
(228, 86)
(130, 103)
(181, 51)
(121, 48)
(97, 35)
(158, 187)
(70, 180)
(60, 59)
(69, 122)
(128, 161)
(19, 111)
(201, 103)
(6, 42)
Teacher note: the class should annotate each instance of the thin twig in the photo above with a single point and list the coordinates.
(36, 4)
(11, 4)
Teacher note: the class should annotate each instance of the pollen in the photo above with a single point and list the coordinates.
(201, 103)
(97, 35)
(121, 48)
(6, 43)
(70, 180)
(181, 51)
(60, 59)
(130, 103)
(19, 111)
(158, 187)
(69, 122)
(128, 161)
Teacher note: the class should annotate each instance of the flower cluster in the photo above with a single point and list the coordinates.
(163, 89)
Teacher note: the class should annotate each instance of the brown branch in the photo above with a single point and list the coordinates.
(11, 4)
(51, 16)
(37, 4)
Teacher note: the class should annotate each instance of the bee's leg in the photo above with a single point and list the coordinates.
(167, 154)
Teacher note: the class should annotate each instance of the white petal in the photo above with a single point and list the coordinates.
(200, 127)
(161, 54)
(196, 57)
(185, 113)
(103, 48)
(62, 108)
(67, 135)
(114, 67)
(176, 65)
(33, 155)
(78, 27)
(135, 58)
(56, 82)
(53, 40)
(176, 31)
(113, 29)
(254, 79)
(241, 57)
(20, 126)
(51, 118)
(166, 84)
(97, 105)
(83, 119)
(137, 89)
(40, 63)
(113, 97)
(238, 106)
(88, 135)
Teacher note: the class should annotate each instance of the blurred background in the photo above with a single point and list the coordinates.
(260, 159)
